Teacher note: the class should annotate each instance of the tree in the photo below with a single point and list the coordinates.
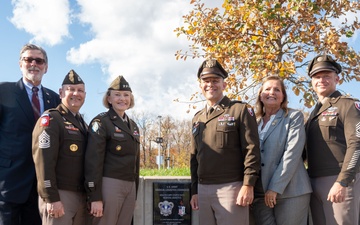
(256, 38)
(176, 139)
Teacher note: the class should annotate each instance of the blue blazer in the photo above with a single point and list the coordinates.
(17, 172)
(283, 170)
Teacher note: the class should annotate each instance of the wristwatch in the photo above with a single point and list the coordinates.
(342, 184)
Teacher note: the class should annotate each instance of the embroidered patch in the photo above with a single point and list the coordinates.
(357, 105)
(357, 130)
(47, 183)
(44, 140)
(45, 120)
(91, 184)
(95, 126)
(354, 160)
(251, 111)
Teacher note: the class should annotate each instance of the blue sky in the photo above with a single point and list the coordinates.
(101, 39)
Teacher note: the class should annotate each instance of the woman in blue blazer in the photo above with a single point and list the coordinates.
(282, 194)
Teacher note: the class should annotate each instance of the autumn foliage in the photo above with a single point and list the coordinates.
(256, 38)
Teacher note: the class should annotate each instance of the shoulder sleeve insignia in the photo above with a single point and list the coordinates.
(95, 125)
(45, 120)
(357, 105)
(250, 109)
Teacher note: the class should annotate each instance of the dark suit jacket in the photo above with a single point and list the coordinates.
(17, 172)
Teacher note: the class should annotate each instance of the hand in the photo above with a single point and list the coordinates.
(245, 196)
(194, 202)
(270, 198)
(96, 209)
(337, 193)
(55, 209)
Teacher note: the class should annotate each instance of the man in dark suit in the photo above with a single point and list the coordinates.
(21, 103)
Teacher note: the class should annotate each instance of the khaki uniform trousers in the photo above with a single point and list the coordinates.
(217, 205)
(119, 202)
(74, 207)
(327, 213)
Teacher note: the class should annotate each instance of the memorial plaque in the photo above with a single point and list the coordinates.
(171, 203)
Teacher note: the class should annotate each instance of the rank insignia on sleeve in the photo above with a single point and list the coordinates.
(45, 120)
(357, 105)
(91, 184)
(44, 140)
(47, 183)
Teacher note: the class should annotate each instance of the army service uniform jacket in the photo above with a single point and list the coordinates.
(225, 145)
(113, 151)
(59, 144)
(333, 139)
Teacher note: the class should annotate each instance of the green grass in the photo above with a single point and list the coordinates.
(165, 172)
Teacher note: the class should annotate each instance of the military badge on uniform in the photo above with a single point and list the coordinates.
(357, 128)
(251, 111)
(47, 183)
(71, 127)
(44, 140)
(117, 129)
(357, 105)
(95, 125)
(195, 126)
(91, 184)
(45, 120)
(73, 147)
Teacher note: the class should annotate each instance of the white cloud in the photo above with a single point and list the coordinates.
(137, 39)
(46, 20)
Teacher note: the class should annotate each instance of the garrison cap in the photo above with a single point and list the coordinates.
(323, 63)
(72, 78)
(211, 68)
(120, 84)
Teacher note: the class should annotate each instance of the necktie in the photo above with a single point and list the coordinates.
(78, 117)
(35, 102)
(210, 111)
(316, 109)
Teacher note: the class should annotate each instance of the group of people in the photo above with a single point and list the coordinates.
(264, 167)
(54, 168)
(269, 167)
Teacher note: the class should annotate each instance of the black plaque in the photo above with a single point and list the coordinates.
(171, 203)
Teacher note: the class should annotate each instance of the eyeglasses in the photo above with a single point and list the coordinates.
(39, 61)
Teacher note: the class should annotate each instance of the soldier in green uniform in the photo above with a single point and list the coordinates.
(225, 155)
(113, 158)
(333, 148)
(59, 144)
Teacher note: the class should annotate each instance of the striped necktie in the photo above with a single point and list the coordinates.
(35, 102)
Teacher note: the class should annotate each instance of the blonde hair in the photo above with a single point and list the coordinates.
(108, 105)
(259, 105)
